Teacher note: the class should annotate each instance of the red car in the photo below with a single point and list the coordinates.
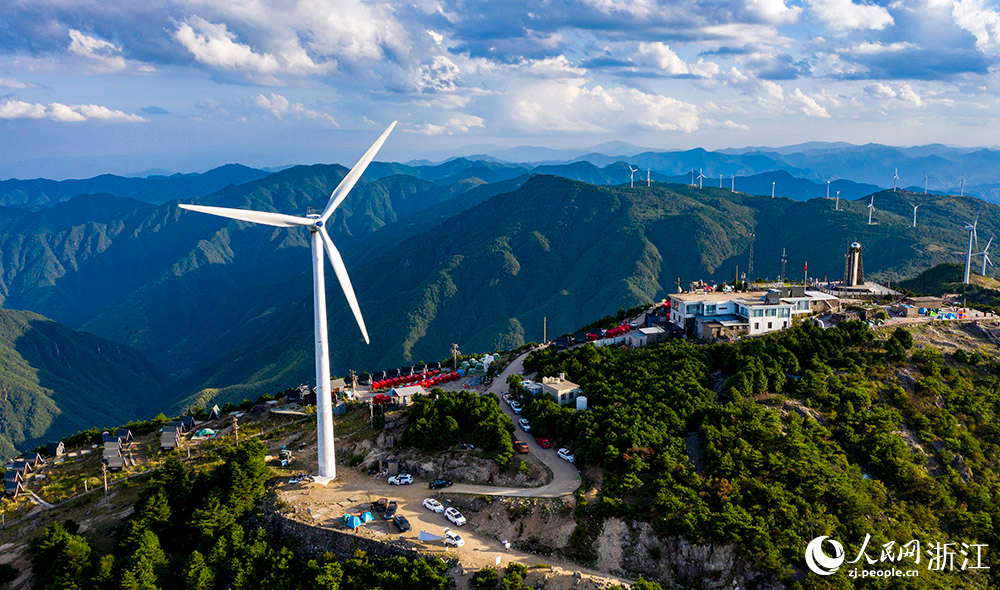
(543, 442)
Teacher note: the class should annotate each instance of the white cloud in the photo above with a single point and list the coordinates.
(459, 123)
(774, 11)
(772, 97)
(808, 105)
(844, 15)
(983, 22)
(873, 48)
(550, 67)
(107, 54)
(17, 109)
(441, 75)
(281, 107)
(575, 106)
(901, 93)
(630, 7)
(213, 45)
(12, 83)
(664, 58)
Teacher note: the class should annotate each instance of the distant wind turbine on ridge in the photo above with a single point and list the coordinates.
(632, 172)
(647, 177)
(895, 177)
(701, 179)
(871, 209)
(915, 207)
(837, 207)
(986, 257)
(319, 240)
(963, 187)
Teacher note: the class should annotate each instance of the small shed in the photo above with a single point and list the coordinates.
(34, 458)
(216, 413)
(115, 463)
(124, 435)
(13, 488)
(187, 422)
(11, 475)
(401, 396)
(169, 440)
(112, 449)
(55, 448)
(22, 467)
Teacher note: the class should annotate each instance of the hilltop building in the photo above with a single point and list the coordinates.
(854, 270)
(563, 392)
(729, 316)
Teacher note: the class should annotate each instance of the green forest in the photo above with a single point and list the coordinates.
(453, 417)
(194, 531)
(799, 436)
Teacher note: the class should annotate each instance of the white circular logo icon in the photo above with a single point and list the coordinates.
(821, 563)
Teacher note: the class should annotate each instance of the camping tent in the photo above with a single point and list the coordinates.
(367, 517)
(351, 521)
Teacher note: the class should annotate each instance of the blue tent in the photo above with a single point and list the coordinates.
(350, 521)
(367, 517)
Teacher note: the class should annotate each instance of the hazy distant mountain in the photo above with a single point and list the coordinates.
(56, 381)
(40, 193)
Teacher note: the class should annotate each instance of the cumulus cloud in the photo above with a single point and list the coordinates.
(664, 58)
(574, 105)
(440, 75)
(980, 20)
(281, 107)
(842, 15)
(106, 54)
(18, 109)
(458, 123)
(774, 11)
(773, 97)
(898, 93)
(12, 83)
(213, 45)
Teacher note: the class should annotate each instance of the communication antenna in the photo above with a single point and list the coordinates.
(750, 266)
(784, 259)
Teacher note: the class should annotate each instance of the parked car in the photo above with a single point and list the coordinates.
(390, 510)
(520, 447)
(566, 454)
(437, 484)
(516, 406)
(401, 480)
(543, 442)
(453, 538)
(433, 505)
(380, 505)
(524, 424)
(401, 523)
(455, 516)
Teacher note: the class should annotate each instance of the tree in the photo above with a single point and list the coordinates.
(484, 579)
(197, 573)
(141, 569)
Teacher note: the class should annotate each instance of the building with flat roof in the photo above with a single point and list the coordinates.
(563, 392)
(714, 316)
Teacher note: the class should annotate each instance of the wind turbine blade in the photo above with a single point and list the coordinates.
(345, 186)
(265, 217)
(345, 281)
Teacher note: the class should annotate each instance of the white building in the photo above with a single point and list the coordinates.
(563, 392)
(711, 315)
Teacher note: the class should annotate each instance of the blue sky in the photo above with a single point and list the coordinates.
(88, 86)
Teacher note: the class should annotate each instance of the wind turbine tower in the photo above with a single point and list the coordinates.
(732, 186)
(871, 209)
(963, 187)
(320, 241)
(772, 189)
(647, 177)
(838, 201)
(925, 184)
(701, 179)
(895, 177)
(915, 207)
(972, 236)
(631, 178)
(986, 257)
(828, 189)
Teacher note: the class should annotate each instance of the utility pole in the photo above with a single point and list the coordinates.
(454, 356)
(750, 268)
(104, 468)
(545, 330)
(236, 430)
(784, 259)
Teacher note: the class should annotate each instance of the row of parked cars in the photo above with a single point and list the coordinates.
(388, 509)
(525, 425)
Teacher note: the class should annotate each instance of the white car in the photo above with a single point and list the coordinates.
(433, 505)
(400, 480)
(455, 516)
(525, 425)
(516, 406)
(566, 454)
(452, 538)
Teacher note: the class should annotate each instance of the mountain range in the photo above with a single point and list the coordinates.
(476, 252)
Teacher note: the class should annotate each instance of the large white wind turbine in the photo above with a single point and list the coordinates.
(319, 240)
(631, 178)
(915, 207)
(701, 179)
(986, 257)
(972, 236)
(871, 209)
(895, 177)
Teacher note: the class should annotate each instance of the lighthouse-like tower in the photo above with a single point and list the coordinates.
(854, 270)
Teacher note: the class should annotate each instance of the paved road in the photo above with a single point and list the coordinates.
(565, 477)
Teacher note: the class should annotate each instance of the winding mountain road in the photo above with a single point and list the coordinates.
(565, 477)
